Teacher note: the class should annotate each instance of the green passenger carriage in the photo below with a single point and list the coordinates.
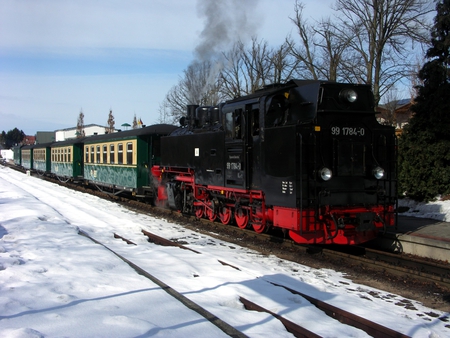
(121, 162)
(67, 159)
(17, 155)
(26, 157)
(41, 157)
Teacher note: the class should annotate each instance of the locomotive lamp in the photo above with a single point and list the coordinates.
(348, 95)
(325, 174)
(378, 173)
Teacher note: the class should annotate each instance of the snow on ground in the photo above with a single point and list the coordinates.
(438, 210)
(56, 283)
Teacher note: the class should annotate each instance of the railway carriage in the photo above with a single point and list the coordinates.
(17, 155)
(306, 157)
(67, 159)
(121, 162)
(26, 157)
(41, 158)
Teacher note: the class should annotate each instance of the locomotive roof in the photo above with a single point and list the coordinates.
(277, 87)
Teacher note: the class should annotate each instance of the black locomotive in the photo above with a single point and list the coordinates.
(308, 157)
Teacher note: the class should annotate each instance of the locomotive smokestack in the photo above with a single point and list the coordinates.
(191, 108)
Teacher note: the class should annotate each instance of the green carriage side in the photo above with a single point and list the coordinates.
(67, 159)
(26, 157)
(17, 155)
(121, 162)
(41, 157)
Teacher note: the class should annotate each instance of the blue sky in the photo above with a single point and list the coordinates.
(58, 57)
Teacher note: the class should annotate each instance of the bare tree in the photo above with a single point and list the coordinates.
(379, 32)
(305, 52)
(231, 84)
(320, 49)
(387, 113)
(110, 123)
(249, 69)
(283, 65)
(80, 125)
(199, 86)
(370, 41)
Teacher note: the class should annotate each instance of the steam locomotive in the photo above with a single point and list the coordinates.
(306, 157)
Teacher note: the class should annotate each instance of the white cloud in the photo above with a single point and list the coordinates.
(168, 24)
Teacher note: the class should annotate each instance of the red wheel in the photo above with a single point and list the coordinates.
(199, 211)
(241, 217)
(225, 215)
(259, 228)
(210, 213)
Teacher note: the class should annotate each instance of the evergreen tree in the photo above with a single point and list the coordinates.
(12, 137)
(424, 148)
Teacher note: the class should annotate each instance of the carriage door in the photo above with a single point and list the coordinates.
(236, 159)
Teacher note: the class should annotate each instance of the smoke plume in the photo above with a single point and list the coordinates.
(226, 22)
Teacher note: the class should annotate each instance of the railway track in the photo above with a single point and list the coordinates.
(291, 325)
(399, 265)
(422, 270)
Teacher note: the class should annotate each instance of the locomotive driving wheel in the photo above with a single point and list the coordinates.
(259, 228)
(210, 212)
(199, 211)
(225, 215)
(241, 217)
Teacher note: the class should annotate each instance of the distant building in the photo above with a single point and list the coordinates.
(71, 133)
(45, 137)
(6, 154)
(29, 140)
(395, 113)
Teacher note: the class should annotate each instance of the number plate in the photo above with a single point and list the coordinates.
(348, 131)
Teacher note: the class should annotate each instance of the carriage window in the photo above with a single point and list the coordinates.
(69, 157)
(65, 154)
(111, 154)
(105, 153)
(92, 154)
(120, 153)
(97, 160)
(87, 154)
(129, 153)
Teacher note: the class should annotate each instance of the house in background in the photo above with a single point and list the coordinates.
(45, 137)
(71, 133)
(29, 140)
(395, 113)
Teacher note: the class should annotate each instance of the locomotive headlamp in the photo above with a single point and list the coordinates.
(325, 174)
(378, 173)
(348, 95)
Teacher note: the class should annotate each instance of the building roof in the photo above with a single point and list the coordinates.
(85, 126)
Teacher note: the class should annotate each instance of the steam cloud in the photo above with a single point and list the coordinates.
(226, 21)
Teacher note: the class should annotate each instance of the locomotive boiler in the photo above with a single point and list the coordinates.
(307, 157)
